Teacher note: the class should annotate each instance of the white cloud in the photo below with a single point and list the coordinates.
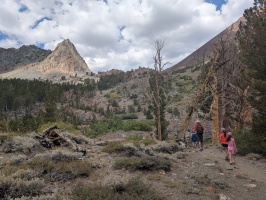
(96, 30)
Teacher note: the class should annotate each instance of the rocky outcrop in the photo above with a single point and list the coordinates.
(64, 59)
(12, 58)
(64, 64)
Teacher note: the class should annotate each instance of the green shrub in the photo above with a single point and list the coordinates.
(116, 123)
(134, 190)
(247, 142)
(129, 116)
(112, 147)
(62, 125)
(135, 137)
(137, 126)
(97, 128)
(177, 98)
(142, 163)
(148, 141)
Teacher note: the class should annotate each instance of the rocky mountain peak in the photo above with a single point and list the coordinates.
(64, 64)
(66, 59)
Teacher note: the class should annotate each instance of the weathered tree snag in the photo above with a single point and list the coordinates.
(245, 113)
(199, 95)
(215, 112)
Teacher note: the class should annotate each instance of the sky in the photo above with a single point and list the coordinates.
(118, 34)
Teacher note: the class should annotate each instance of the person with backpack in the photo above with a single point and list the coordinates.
(223, 137)
(199, 129)
(231, 148)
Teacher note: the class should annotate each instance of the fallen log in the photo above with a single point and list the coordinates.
(53, 136)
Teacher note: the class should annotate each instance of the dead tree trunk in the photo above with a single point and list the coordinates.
(199, 95)
(53, 136)
(215, 112)
(245, 114)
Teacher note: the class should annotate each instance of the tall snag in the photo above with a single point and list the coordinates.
(154, 90)
(200, 93)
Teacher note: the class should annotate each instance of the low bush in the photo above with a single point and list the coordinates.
(3, 138)
(16, 159)
(129, 116)
(112, 147)
(115, 124)
(14, 188)
(59, 171)
(60, 155)
(247, 142)
(169, 149)
(25, 174)
(142, 163)
(134, 190)
(137, 126)
(20, 144)
(134, 137)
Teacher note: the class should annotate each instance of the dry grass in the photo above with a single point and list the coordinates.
(20, 144)
(14, 188)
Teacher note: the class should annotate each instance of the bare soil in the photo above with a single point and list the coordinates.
(195, 174)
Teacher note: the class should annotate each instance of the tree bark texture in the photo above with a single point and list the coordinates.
(215, 112)
(199, 95)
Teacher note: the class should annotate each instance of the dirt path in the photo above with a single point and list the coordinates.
(254, 169)
(244, 181)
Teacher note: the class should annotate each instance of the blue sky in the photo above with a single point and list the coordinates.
(218, 3)
(118, 34)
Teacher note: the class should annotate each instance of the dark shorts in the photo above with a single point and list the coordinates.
(200, 137)
(224, 145)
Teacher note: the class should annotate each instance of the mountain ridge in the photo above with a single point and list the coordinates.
(205, 51)
(64, 63)
(11, 58)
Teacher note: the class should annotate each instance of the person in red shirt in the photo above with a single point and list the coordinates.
(199, 129)
(223, 137)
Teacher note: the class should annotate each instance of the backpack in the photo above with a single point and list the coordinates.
(200, 129)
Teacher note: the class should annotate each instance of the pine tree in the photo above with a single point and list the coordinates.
(252, 43)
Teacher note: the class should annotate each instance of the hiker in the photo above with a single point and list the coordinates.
(231, 148)
(194, 139)
(199, 129)
(223, 137)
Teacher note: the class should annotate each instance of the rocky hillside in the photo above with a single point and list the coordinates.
(63, 64)
(12, 58)
(207, 49)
